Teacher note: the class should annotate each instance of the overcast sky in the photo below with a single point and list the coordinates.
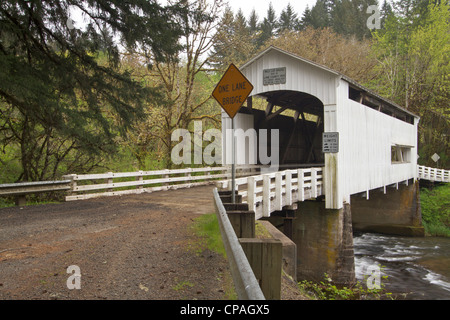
(261, 6)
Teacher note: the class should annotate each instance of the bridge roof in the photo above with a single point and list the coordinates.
(333, 72)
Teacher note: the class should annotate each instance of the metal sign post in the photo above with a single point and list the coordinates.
(233, 165)
(231, 92)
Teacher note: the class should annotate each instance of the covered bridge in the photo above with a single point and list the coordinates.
(369, 142)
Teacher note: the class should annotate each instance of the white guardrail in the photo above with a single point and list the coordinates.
(83, 185)
(271, 192)
(433, 174)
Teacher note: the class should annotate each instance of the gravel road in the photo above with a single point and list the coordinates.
(129, 247)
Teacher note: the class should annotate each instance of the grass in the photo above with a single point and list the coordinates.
(10, 202)
(182, 285)
(435, 205)
(206, 227)
(260, 231)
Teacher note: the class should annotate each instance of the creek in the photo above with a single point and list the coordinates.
(416, 268)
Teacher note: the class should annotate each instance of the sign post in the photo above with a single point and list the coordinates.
(231, 92)
(435, 157)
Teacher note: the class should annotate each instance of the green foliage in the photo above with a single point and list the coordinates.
(77, 101)
(435, 205)
(63, 97)
(413, 50)
(207, 228)
(327, 290)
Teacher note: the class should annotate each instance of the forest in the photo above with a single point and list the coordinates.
(108, 95)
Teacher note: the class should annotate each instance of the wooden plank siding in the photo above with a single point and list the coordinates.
(366, 137)
(366, 134)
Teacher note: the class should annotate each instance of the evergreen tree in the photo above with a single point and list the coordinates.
(234, 41)
(222, 47)
(61, 89)
(306, 19)
(253, 22)
(288, 20)
(317, 17)
(386, 11)
(349, 17)
(268, 27)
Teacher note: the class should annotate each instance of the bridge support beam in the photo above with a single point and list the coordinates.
(396, 212)
(324, 240)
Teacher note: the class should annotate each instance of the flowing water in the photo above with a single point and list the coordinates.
(416, 268)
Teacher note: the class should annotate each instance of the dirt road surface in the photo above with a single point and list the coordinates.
(129, 247)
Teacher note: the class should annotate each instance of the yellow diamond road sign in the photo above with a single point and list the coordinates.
(232, 90)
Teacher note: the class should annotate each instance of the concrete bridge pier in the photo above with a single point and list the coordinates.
(397, 212)
(324, 239)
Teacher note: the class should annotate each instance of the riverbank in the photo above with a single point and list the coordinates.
(435, 205)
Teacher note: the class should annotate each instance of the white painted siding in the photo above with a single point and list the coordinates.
(366, 137)
(300, 76)
(363, 162)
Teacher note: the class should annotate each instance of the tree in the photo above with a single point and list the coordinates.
(386, 11)
(317, 17)
(234, 42)
(253, 22)
(324, 46)
(61, 90)
(349, 17)
(413, 50)
(288, 20)
(185, 81)
(268, 26)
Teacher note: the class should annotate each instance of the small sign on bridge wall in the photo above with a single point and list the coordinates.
(330, 142)
(274, 76)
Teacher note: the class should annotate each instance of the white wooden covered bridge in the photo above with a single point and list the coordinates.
(370, 142)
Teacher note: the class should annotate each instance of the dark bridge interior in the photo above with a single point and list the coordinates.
(299, 118)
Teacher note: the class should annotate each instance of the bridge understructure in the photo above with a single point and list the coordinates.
(365, 178)
(293, 201)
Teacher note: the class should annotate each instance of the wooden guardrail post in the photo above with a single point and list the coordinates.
(301, 184)
(109, 180)
(242, 219)
(266, 196)
(251, 193)
(265, 257)
(21, 200)
(313, 183)
(288, 179)
(243, 222)
(140, 178)
(166, 176)
(73, 182)
(278, 191)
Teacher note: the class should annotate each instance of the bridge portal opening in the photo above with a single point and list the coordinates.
(299, 118)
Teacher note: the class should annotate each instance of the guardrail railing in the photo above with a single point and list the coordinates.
(433, 174)
(271, 192)
(245, 282)
(21, 189)
(108, 184)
